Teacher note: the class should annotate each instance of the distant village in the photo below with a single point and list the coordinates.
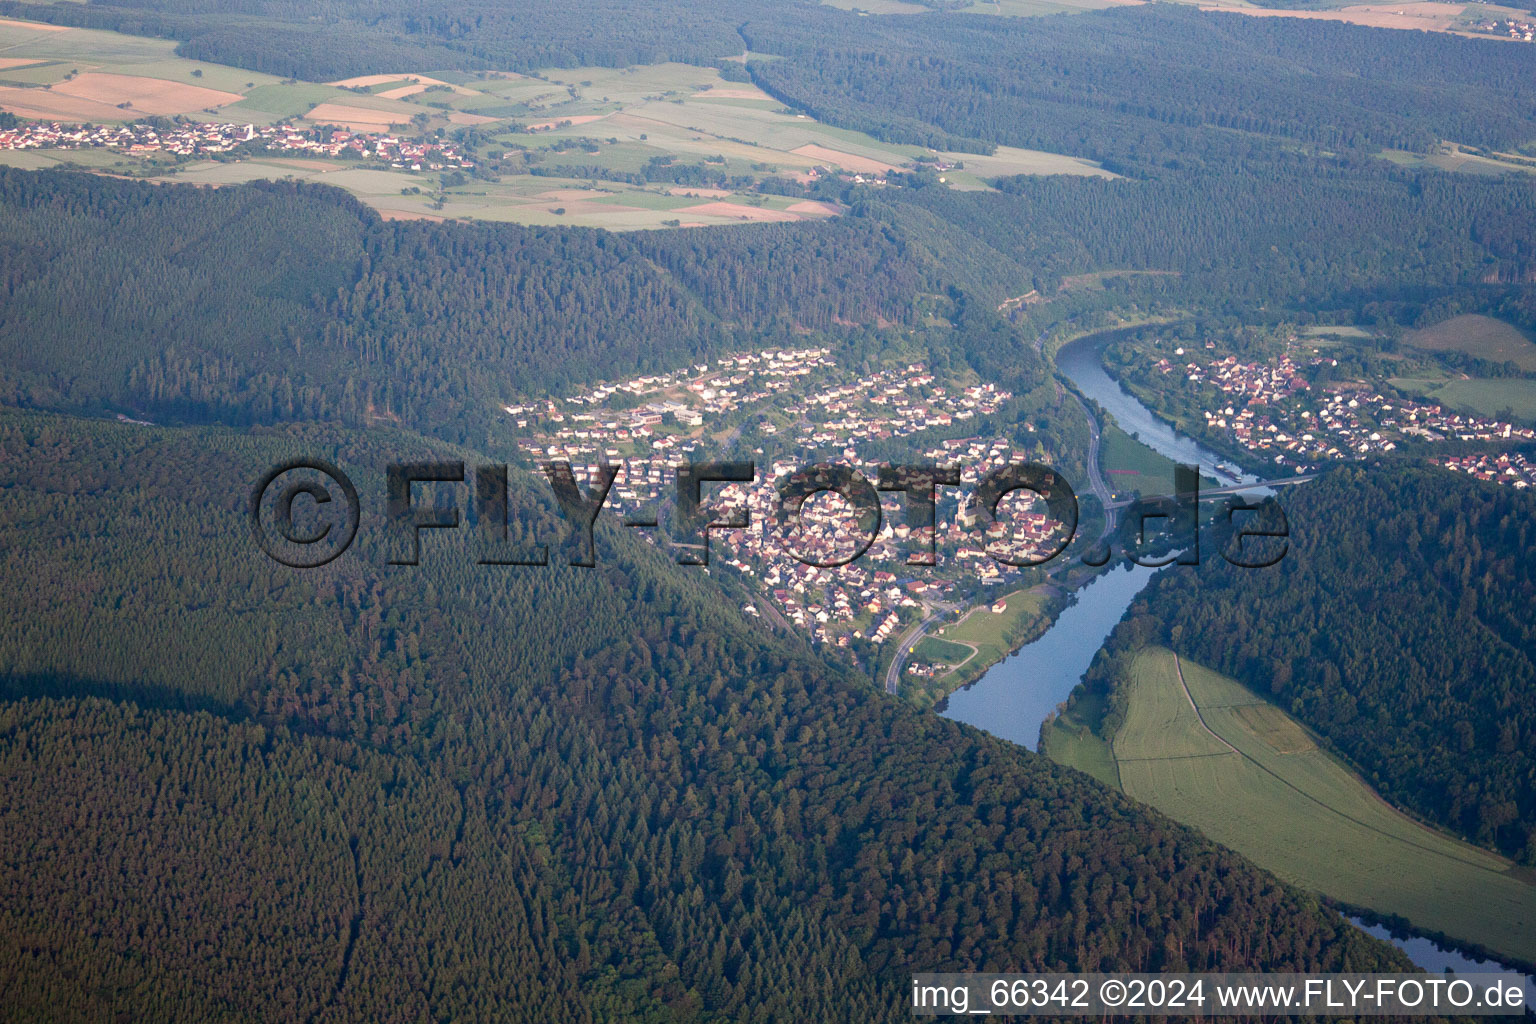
(1522, 29)
(667, 419)
(1275, 411)
(212, 140)
(1502, 468)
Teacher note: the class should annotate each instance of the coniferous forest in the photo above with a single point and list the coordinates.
(1437, 716)
(455, 791)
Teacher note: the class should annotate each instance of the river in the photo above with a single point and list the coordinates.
(1016, 695)
(1081, 362)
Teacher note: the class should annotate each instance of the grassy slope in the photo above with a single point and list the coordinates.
(1488, 396)
(1480, 336)
(1130, 465)
(985, 632)
(1250, 777)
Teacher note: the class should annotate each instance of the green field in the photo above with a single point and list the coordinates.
(1035, 8)
(1479, 336)
(621, 119)
(81, 47)
(278, 101)
(934, 650)
(1491, 397)
(1219, 758)
(988, 631)
(1328, 331)
(1006, 8)
(879, 6)
(1130, 465)
(1453, 158)
(975, 644)
(1070, 739)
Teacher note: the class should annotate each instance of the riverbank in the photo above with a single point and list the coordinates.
(1025, 692)
(1208, 752)
(970, 645)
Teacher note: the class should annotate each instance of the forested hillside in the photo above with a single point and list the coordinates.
(1146, 89)
(1319, 237)
(514, 789)
(277, 302)
(343, 38)
(230, 790)
(1398, 627)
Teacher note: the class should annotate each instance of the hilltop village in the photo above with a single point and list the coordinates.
(188, 139)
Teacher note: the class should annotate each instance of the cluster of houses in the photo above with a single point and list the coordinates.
(1274, 413)
(186, 140)
(646, 426)
(210, 139)
(1522, 29)
(1514, 470)
(684, 398)
(897, 402)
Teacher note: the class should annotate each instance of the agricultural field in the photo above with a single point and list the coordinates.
(1003, 8)
(1451, 157)
(1070, 738)
(1479, 336)
(583, 130)
(1494, 397)
(1330, 331)
(1419, 15)
(1208, 752)
(879, 6)
(935, 650)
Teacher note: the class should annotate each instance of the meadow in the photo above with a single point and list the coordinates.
(593, 123)
(978, 641)
(1420, 15)
(1450, 157)
(1494, 397)
(937, 650)
(1479, 336)
(989, 632)
(1208, 752)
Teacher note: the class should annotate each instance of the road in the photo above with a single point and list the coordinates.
(1095, 472)
(893, 671)
(1100, 491)
(1217, 492)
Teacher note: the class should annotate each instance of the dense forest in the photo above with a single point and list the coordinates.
(233, 790)
(453, 791)
(277, 302)
(1134, 86)
(1317, 237)
(1147, 88)
(341, 38)
(1397, 627)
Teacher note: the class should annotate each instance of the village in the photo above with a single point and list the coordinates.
(1521, 29)
(1513, 469)
(190, 139)
(790, 423)
(1276, 411)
